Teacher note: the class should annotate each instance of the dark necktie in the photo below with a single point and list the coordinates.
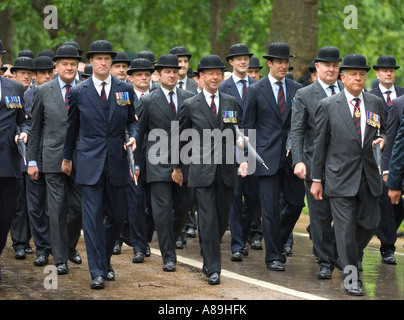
(281, 100)
(357, 118)
(213, 105)
(68, 86)
(332, 90)
(172, 104)
(103, 94)
(180, 83)
(244, 90)
(388, 92)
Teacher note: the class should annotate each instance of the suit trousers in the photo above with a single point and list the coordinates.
(170, 205)
(214, 204)
(355, 222)
(321, 230)
(277, 227)
(64, 208)
(104, 210)
(8, 207)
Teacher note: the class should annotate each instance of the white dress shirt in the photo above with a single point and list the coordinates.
(351, 104)
(98, 85)
(327, 88)
(208, 97)
(275, 86)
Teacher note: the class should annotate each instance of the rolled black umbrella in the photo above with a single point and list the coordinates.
(131, 158)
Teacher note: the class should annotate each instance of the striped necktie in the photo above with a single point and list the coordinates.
(244, 90)
(357, 118)
(172, 104)
(67, 86)
(103, 94)
(281, 100)
(332, 90)
(213, 105)
(388, 92)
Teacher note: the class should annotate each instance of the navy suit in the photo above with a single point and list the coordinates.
(241, 212)
(10, 169)
(396, 168)
(102, 167)
(262, 114)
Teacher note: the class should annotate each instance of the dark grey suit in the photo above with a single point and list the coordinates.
(351, 177)
(49, 118)
(302, 139)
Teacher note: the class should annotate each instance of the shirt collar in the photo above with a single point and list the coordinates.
(98, 82)
(166, 92)
(236, 79)
(272, 80)
(62, 84)
(383, 89)
(324, 85)
(208, 95)
(350, 97)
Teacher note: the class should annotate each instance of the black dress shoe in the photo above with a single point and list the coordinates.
(214, 278)
(75, 257)
(237, 256)
(117, 248)
(20, 254)
(169, 266)
(355, 290)
(110, 274)
(256, 245)
(138, 258)
(389, 259)
(276, 265)
(324, 273)
(191, 233)
(61, 268)
(41, 260)
(179, 244)
(98, 283)
(245, 251)
(28, 250)
(147, 253)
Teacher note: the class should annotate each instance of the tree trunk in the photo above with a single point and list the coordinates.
(295, 22)
(7, 34)
(219, 9)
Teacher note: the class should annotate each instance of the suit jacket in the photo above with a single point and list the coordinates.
(191, 85)
(229, 87)
(396, 167)
(303, 123)
(9, 119)
(196, 114)
(261, 112)
(49, 122)
(376, 91)
(155, 114)
(338, 157)
(101, 140)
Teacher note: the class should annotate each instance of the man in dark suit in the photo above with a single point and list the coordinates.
(302, 138)
(396, 168)
(348, 125)
(49, 121)
(170, 202)
(241, 212)
(100, 110)
(212, 169)
(391, 215)
(11, 114)
(268, 108)
(183, 61)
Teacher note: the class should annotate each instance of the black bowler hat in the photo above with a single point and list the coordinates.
(328, 54)
(101, 47)
(22, 63)
(46, 53)
(43, 63)
(167, 60)
(312, 66)
(3, 68)
(386, 62)
(88, 71)
(76, 45)
(238, 49)
(26, 53)
(121, 57)
(190, 73)
(148, 55)
(2, 51)
(280, 50)
(354, 61)
(66, 52)
(255, 63)
(140, 64)
(180, 52)
(211, 61)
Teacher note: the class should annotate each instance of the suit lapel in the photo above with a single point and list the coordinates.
(112, 99)
(234, 92)
(268, 93)
(57, 96)
(369, 107)
(344, 110)
(94, 97)
(205, 109)
(163, 104)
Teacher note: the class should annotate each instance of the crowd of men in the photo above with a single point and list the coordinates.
(68, 130)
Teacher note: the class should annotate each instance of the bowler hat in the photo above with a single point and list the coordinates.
(3, 68)
(167, 60)
(100, 47)
(2, 51)
(22, 63)
(47, 53)
(280, 50)
(140, 64)
(238, 49)
(26, 53)
(386, 62)
(211, 61)
(43, 63)
(312, 67)
(148, 55)
(66, 52)
(180, 52)
(121, 57)
(255, 63)
(354, 61)
(76, 45)
(88, 70)
(328, 54)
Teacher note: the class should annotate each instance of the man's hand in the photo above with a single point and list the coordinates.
(131, 142)
(67, 166)
(395, 196)
(177, 176)
(243, 169)
(317, 190)
(22, 136)
(380, 141)
(300, 170)
(33, 172)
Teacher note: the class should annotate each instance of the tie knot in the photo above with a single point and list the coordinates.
(67, 86)
(243, 81)
(213, 96)
(388, 92)
(171, 93)
(279, 83)
(357, 100)
(103, 84)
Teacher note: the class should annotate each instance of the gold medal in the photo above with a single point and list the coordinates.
(357, 113)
